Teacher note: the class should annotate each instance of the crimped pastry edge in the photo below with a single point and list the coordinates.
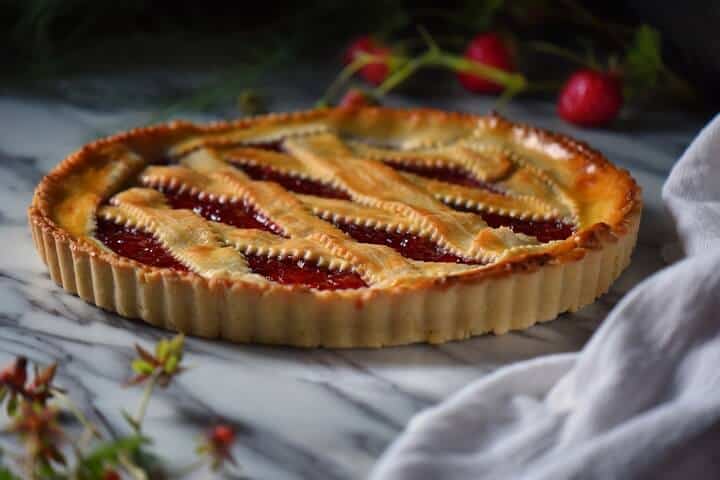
(438, 314)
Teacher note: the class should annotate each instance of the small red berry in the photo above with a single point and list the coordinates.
(376, 72)
(487, 49)
(354, 98)
(111, 475)
(590, 98)
(222, 436)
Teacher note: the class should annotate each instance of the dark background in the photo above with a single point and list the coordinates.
(49, 39)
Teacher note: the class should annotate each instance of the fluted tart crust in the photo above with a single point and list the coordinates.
(438, 226)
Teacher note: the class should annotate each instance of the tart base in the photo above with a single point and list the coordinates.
(437, 314)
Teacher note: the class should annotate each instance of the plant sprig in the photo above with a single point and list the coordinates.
(403, 68)
(33, 406)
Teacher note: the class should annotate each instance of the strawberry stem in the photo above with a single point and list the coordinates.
(90, 430)
(145, 401)
(428, 39)
(346, 74)
(514, 83)
(402, 74)
(434, 56)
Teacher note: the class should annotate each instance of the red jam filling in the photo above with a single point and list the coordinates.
(291, 271)
(273, 145)
(237, 214)
(293, 184)
(135, 244)
(407, 244)
(457, 176)
(142, 247)
(544, 230)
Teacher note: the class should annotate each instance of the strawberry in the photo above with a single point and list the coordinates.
(590, 98)
(355, 97)
(487, 49)
(376, 72)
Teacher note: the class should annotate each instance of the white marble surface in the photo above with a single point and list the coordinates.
(299, 414)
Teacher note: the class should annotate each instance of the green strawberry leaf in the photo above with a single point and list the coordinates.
(643, 61)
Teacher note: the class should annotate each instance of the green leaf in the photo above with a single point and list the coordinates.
(6, 474)
(177, 343)
(643, 60)
(108, 453)
(161, 349)
(171, 364)
(142, 367)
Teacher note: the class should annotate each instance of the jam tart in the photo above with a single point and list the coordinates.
(347, 227)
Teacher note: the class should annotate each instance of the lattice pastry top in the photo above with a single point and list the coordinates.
(338, 199)
(337, 227)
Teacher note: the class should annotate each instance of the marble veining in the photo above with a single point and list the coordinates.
(316, 414)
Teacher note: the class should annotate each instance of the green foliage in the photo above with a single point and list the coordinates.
(35, 423)
(109, 454)
(643, 60)
(7, 474)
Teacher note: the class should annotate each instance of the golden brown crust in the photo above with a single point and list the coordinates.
(602, 200)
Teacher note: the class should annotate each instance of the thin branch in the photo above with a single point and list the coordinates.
(145, 401)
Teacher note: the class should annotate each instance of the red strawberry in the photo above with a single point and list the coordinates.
(356, 98)
(375, 72)
(590, 98)
(487, 49)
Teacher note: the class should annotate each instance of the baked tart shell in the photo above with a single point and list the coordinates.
(506, 295)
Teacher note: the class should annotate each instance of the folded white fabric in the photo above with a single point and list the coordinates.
(641, 400)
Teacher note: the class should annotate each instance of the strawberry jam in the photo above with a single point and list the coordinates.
(142, 247)
(292, 271)
(135, 244)
(237, 214)
(457, 176)
(407, 244)
(303, 186)
(272, 145)
(543, 230)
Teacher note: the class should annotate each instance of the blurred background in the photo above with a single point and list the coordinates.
(207, 55)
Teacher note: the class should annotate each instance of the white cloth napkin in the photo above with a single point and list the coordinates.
(641, 400)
